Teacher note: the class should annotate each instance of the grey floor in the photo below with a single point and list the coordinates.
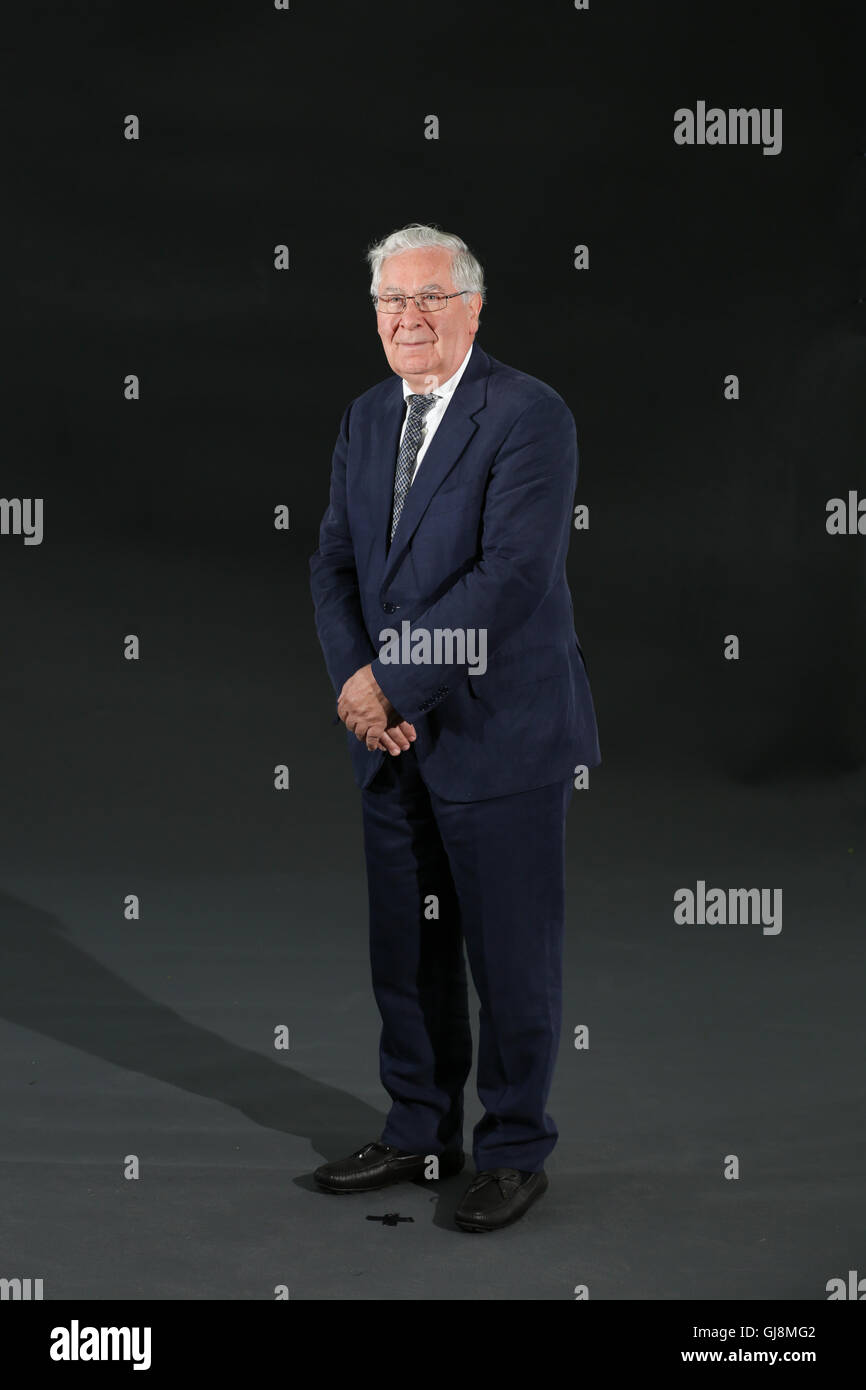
(154, 1038)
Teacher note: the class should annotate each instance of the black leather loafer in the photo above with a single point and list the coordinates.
(498, 1196)
(379, 1165)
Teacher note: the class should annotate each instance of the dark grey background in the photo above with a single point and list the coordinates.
(707, 518)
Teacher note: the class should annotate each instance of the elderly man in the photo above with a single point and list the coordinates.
(447, 627)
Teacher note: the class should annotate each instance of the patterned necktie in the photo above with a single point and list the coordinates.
(418, 407)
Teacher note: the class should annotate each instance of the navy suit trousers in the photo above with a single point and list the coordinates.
(490, 873)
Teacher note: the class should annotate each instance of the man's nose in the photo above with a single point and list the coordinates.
(410, 314)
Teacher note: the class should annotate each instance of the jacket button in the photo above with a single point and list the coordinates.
(390, 607)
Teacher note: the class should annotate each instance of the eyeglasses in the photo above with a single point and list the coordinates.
(424, 303)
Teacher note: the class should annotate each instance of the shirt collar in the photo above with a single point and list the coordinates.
(447, 389)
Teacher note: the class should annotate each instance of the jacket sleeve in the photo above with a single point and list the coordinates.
(530, 491)
(334, 579)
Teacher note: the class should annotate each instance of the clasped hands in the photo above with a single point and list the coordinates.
(367, 713)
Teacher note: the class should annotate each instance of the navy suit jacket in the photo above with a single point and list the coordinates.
(481, 544)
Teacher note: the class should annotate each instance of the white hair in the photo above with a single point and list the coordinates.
(466, 271)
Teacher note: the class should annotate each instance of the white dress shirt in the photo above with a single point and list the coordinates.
(433, 418)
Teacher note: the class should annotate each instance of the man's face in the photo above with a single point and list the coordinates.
(426, 349)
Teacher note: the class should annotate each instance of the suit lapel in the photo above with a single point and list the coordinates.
(454, 432)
